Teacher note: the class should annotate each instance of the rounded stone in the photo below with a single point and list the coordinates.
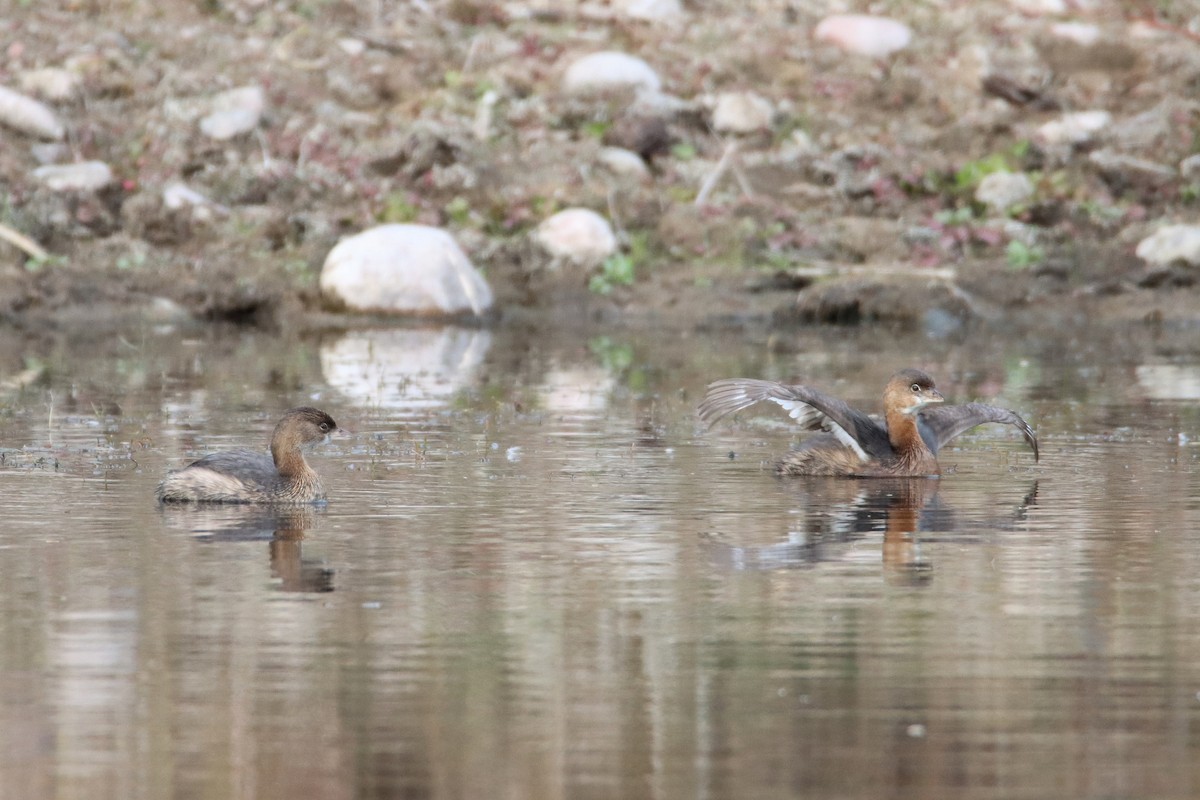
(742, 112)
(84, 176)
(404, 269)
(1171, 244)
(1001, 191)
(864, 35)
(609, 71)
(578, 235)
(27, 115)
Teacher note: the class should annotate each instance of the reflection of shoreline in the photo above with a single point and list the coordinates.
(282, 528)
(835, 514)
(407, 368)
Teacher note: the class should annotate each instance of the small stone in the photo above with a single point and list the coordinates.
(1131, 169)
(404, 269)
(742, 112)
(1171, 244)
(49, 152)
(1079, 127)
(1000, 191)
(178, 195)
(52, 83)
(234, 112)
(622, 162)
(1189, 168)
(578, 235)
(1040, 7)
(1078, 32)
(84, 176)
(28, 116)
(609, 71)
(864, 35)
(650, 10)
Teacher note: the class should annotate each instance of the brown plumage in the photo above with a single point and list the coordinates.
(246, 476)
(905, 444)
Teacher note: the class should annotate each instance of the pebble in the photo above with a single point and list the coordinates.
(84, 176)
(578, 235)
(1075, 128)
(52, 83)
(650, 10)
(404, 269)
(864, 35)
(1001, 191)
(234, 112)
(1080, 33)
(624, 163)
(1131, 169)
(742, 112)
(609, 71)
(1190, 167)
(1040, 7)
(24, 114)
(1171, 244)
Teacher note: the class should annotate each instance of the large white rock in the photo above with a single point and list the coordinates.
(1001, 191)
(650, 10)
(404, 269)
(578, 235)
(1171, 243)
(27, 115)
(742, 112)
(609, 71)
(84, 176)
(864, 35)
(234, 112)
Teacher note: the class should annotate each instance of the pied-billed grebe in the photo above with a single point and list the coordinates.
(905, 444)
(246, 476)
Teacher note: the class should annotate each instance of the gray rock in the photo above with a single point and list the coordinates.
(404, 269)
(609, 71)
(234, 112)
(577, 235)
(28, 116)
(1189, 168)
(85, 176)
(1131, 169)
(1171, 244)
(1001, 191)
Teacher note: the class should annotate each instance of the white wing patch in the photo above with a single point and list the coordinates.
(811, 418)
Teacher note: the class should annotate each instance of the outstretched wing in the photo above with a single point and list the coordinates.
(940, 424)
(815, 411)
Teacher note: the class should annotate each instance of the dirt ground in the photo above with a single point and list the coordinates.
(857, 201)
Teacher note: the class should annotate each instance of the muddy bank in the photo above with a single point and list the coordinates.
(1008, 160)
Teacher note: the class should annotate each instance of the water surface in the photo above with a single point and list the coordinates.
(538, 577)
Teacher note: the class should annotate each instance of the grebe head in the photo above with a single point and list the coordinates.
(306, 425)
(910, 390)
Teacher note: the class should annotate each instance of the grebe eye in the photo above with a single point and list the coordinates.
(916, 387)
(324, 427)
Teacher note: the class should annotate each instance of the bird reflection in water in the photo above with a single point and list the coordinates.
(282, 528)
(835, 516)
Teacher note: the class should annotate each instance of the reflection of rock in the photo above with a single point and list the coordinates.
(406, 369)
(583, 389)
(1169, 381)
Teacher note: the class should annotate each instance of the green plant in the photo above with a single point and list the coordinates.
(1022, 256)
(617, 270)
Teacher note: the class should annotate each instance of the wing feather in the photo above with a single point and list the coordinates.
(940, 424)
(813, 410)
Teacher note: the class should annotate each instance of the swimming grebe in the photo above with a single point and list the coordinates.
(246, 476)
(905, 444)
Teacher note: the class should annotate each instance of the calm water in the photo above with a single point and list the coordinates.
(538, 578)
